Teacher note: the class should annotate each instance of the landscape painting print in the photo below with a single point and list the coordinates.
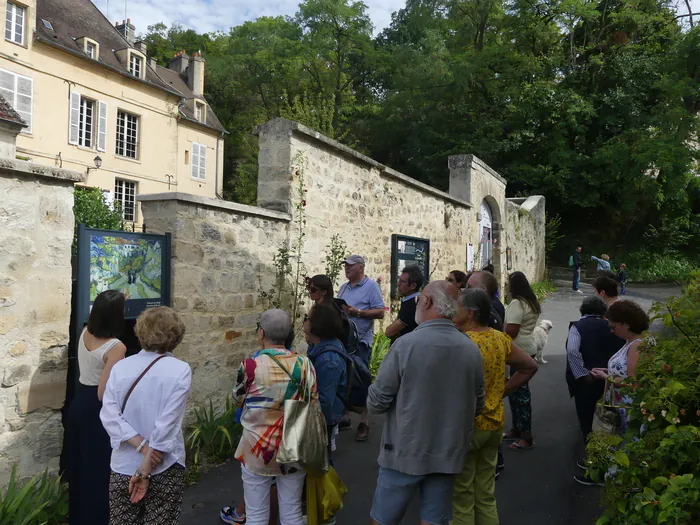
(129, 265)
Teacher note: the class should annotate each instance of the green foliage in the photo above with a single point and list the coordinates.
(380, 347)
(91, 209)
(552, 233)
(543, 288)
(43, 500)
(215, 433)
(644, 266)
(335, 257)
(655, 477)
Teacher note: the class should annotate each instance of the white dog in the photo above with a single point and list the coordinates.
(541, 333)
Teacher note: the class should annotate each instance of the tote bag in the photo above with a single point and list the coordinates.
(304, 432)
(607, 418)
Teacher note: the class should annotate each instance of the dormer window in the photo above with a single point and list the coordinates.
(136, 65)
(89, 46)
(200, 112)
(91, 50)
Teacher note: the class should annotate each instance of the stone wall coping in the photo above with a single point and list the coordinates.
(23, 168)
(532, 202)
(216, 204)
(280, 125)
(464, 160)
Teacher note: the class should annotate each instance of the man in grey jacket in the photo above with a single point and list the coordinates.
(431, 387)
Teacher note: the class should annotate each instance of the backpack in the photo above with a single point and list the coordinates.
(571, 261)
(359, 379)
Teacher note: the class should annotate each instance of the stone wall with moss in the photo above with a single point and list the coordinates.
(36, 232)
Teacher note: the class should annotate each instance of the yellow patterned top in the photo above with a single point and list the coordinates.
(495, 350)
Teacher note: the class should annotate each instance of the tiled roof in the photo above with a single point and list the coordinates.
(8, 114)
(74, 19)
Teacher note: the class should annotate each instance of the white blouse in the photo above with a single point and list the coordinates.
(91, 363)
(155, 410)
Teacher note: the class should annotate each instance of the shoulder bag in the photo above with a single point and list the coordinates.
(128, 394)
(304, 432)
(608, 417)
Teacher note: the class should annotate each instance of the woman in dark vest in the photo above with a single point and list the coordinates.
(590, 345)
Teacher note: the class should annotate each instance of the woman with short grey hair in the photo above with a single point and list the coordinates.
(264, 382)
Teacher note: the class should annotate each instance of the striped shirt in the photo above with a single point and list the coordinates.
(573, 352)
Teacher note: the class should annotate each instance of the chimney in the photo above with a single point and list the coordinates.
(195, 74)
(179, 63)
(127, 30)
(141, 46)
(153, 63)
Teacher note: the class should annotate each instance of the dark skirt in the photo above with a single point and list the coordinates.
(88, 457)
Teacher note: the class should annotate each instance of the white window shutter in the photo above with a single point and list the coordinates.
(202, 162)
(25, 94)
(102, 127)
(74, 128)
(195, 160)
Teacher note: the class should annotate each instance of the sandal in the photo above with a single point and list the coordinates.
(511, 435)
(362, 432)
(518, 445)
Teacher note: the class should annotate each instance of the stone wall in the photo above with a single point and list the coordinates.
(222, 255)
(525, 235)
(36, 232)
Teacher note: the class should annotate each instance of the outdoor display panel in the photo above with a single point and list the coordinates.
(137, 263)
(406, 251)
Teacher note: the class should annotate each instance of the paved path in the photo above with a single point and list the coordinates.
(537, 485)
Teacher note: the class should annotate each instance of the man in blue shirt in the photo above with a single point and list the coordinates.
(364, 305)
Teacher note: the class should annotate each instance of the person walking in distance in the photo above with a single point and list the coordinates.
(364, 305)
(409, 285)
(577, 265)
(431, 388)
(622, 279)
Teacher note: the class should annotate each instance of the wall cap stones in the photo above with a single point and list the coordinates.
(468, 160)
(14, 167)
(216, 204)
(281, 125)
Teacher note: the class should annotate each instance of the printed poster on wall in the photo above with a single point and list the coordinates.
(470, 257)
(406, 251)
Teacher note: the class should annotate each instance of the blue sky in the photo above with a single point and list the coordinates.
(213, 15)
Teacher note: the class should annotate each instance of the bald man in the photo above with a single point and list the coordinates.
(431, 387)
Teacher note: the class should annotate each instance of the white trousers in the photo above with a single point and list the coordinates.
(256, 490)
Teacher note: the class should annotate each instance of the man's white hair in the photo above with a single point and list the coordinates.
(446, 305)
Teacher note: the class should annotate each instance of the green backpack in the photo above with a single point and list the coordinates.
(571, 261)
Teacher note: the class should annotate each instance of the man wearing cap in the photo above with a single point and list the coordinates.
(364, 305)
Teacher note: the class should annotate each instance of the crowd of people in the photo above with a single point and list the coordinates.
(128, 412)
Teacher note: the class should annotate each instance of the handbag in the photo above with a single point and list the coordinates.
(304, 433)
(607, 418)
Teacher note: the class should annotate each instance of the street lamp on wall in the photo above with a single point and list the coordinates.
(98, 164)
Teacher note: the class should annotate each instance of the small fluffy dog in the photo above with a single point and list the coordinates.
(541, 333)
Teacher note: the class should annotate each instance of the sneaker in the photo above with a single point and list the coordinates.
(229, 515)
(362, 432)
(585, 480)
(578, 291)
(501, 462)
(345, 424)
(334, 433)
(582, 464)
(498, 473)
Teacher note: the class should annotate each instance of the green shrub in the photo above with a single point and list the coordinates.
(43, 500)
(655, 479)
(91, 209)
(648, 267)
(215, 433)
(380, 347)
(543, 288)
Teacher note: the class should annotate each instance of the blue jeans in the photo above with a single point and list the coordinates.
(364, 352)
(623, 288)
(577, 279)
(396, 490)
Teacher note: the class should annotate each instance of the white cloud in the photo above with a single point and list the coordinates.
(220, 15)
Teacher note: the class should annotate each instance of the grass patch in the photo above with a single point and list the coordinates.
(543, 288)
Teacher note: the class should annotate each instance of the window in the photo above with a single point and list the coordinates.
(47, 24)
(127, 135)
(87, 109)
(14, 23)
(125, 195)
(199, 161)
(199, 111)
(91, 50)
(19, 93)
(135, 65)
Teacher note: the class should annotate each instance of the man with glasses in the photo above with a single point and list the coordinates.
(409, 285)
(364, 305)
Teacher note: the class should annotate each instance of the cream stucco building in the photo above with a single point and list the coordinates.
(85, 90)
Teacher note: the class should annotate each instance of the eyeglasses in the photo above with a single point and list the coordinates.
(403, 281)
(451, 280)
(312, 289)
(257, 326)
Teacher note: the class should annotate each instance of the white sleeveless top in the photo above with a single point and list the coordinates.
(92, 363)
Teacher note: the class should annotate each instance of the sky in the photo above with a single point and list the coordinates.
(212, 15)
